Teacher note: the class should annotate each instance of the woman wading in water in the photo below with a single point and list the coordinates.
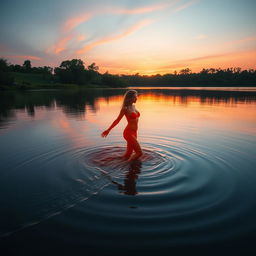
(130, 132)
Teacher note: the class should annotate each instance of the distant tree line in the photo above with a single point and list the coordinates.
(74, 72)
(69, 72)
(27, 68)
(206, 77)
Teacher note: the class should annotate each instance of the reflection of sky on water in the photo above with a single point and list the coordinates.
(76, 119)
(162, 110)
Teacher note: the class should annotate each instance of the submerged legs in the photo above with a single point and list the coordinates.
(132, 144)
(129, 150)
(136, 147)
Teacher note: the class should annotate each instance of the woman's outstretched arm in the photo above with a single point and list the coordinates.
(120, 116)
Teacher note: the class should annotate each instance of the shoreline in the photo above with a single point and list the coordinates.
(21, 87)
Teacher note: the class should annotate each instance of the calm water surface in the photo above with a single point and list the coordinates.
(63, 184)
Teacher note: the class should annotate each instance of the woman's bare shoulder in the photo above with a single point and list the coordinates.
(124, 109)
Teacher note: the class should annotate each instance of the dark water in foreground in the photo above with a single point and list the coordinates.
(63, 188)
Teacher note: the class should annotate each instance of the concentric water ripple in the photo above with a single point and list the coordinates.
(190, 196)
(186, 191)
(68, 176)
(179, 192)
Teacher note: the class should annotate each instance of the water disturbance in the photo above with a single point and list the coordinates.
(195, 184)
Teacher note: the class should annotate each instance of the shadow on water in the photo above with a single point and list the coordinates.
(129, 186)
(74, 102)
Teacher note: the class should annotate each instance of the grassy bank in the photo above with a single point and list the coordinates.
(27, 81)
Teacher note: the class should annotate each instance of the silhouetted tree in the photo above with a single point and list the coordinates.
(3, 65)
(185, 71)
(92, 73)
(16, 68)
(93, 67)
(27, 65)
(5, 76)
(112, 80)
(206, 77)
(72, 71)
(74, 65)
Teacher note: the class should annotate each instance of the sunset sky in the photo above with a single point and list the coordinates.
(130, 36)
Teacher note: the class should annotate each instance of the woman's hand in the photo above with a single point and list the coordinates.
(105, 133)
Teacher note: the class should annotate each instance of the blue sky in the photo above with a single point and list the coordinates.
(126, 37)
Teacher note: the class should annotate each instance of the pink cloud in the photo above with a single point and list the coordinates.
(80, 38)
(105, 40)
(73, 22)
(186, 5)
(61, 44)
(143, 10)
(28, 57)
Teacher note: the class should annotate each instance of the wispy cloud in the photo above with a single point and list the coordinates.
(186, 5)
(61, 44)
(240, 41)
(80, 38)
(208, 59)
(187, 62)
(105, 40)
(73, 22)
(10, 53)
(146, 9)
(28, 57)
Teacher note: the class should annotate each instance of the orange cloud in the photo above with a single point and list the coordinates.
(75, 21)
(72, 22)
(105, 40)
(240, 41)
(80, 38)
(61, 44)
(28, 57)
(243, 59)
(209, 57)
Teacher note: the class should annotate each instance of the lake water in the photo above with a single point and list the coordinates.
(63, 187)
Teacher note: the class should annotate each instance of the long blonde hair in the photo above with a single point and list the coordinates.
(128, 96)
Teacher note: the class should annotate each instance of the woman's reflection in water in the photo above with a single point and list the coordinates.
(129, 186)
